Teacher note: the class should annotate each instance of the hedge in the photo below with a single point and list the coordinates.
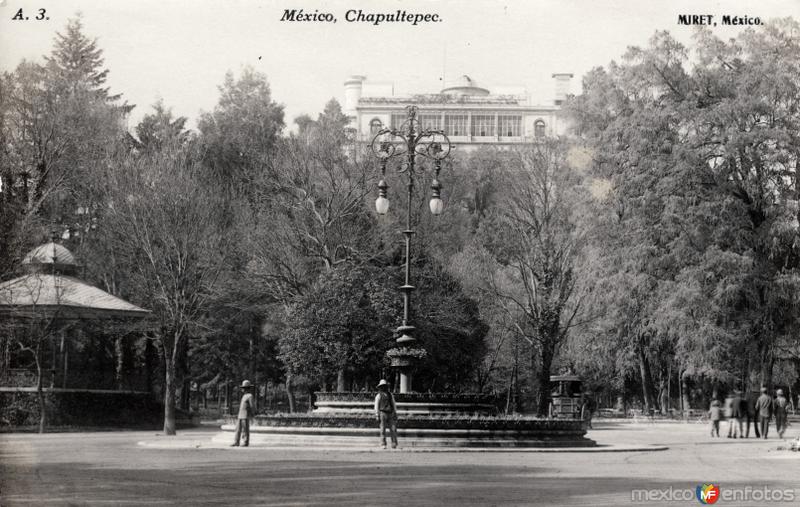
(20, 409)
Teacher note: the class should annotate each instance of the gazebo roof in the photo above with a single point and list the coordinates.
(50, 258)
(49, 253)
(39, 294)
(48, 291)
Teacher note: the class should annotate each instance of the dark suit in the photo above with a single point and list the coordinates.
(752, 415)
(764, 407)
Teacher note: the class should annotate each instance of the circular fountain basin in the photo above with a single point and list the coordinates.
(407, 403)
(424, 420)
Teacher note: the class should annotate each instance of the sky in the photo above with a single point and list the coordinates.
(179, 51)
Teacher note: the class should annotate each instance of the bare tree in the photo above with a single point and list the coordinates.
(535, 242)
(176, 235)
(32, 321)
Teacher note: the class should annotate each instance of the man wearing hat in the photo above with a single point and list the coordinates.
(780, 413)
(246, 411)
(764, 408)
(386, 412)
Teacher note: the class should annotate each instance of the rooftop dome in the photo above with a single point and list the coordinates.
(50, 256)
(465, 86)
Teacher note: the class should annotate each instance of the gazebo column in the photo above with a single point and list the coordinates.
(64, 359)
(54, 359)
(5, 355)
(120, 353)
(148, 363)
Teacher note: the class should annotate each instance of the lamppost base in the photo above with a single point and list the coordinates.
(405, 382)
(404, 360)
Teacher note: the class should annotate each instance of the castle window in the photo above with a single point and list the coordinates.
(398, 119)
(456, 124)
(538, 128)
(483, 125)
(510, 126)
(430, 121)
(375, 125)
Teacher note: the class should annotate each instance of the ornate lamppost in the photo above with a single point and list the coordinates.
(409, 140)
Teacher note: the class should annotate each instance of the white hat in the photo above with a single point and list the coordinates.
(246, 383)
(383, 382)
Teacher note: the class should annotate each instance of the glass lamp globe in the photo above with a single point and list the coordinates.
(382, 205)
(436, 205)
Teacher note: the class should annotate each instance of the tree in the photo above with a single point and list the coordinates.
(534, 244)
(346, 322)
(311, 215)
(76, 63)
(701, 164)
(340, 324)
(57, 123)
(160, 129)
(448, 326)
(167, 228)
(31, 333)
(239, 136)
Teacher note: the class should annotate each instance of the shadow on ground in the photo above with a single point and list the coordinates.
(318, 483)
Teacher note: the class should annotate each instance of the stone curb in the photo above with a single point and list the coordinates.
(194, 444)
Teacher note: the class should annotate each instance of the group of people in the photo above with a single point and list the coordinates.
(385, 412)
(742, 411)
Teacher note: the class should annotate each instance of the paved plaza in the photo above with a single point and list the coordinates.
(114, 468)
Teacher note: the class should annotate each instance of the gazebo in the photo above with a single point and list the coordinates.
(50, 291)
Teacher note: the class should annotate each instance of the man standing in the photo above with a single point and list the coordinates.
(780, 413)
(764, 407)
(752, 414)
(729, 414)
(739, 413)
(386, 412)
(246, 412)
(714, 416)
(589, 408)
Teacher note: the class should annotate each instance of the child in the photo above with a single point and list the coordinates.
(714, 416)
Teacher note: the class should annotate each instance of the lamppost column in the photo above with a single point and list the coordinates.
(406, 330)
(409, 140)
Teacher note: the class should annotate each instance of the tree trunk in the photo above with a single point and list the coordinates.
(765, 375)
(290, 393)
(341, 381)
(40, 393)
(252, 352)
(148, 364)
(119, 352)
(547, 354)
(169, 395)
(186, 394)
(182, 377)
(685, 380)
(647, 381)
(663, 398)
(510, 391)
